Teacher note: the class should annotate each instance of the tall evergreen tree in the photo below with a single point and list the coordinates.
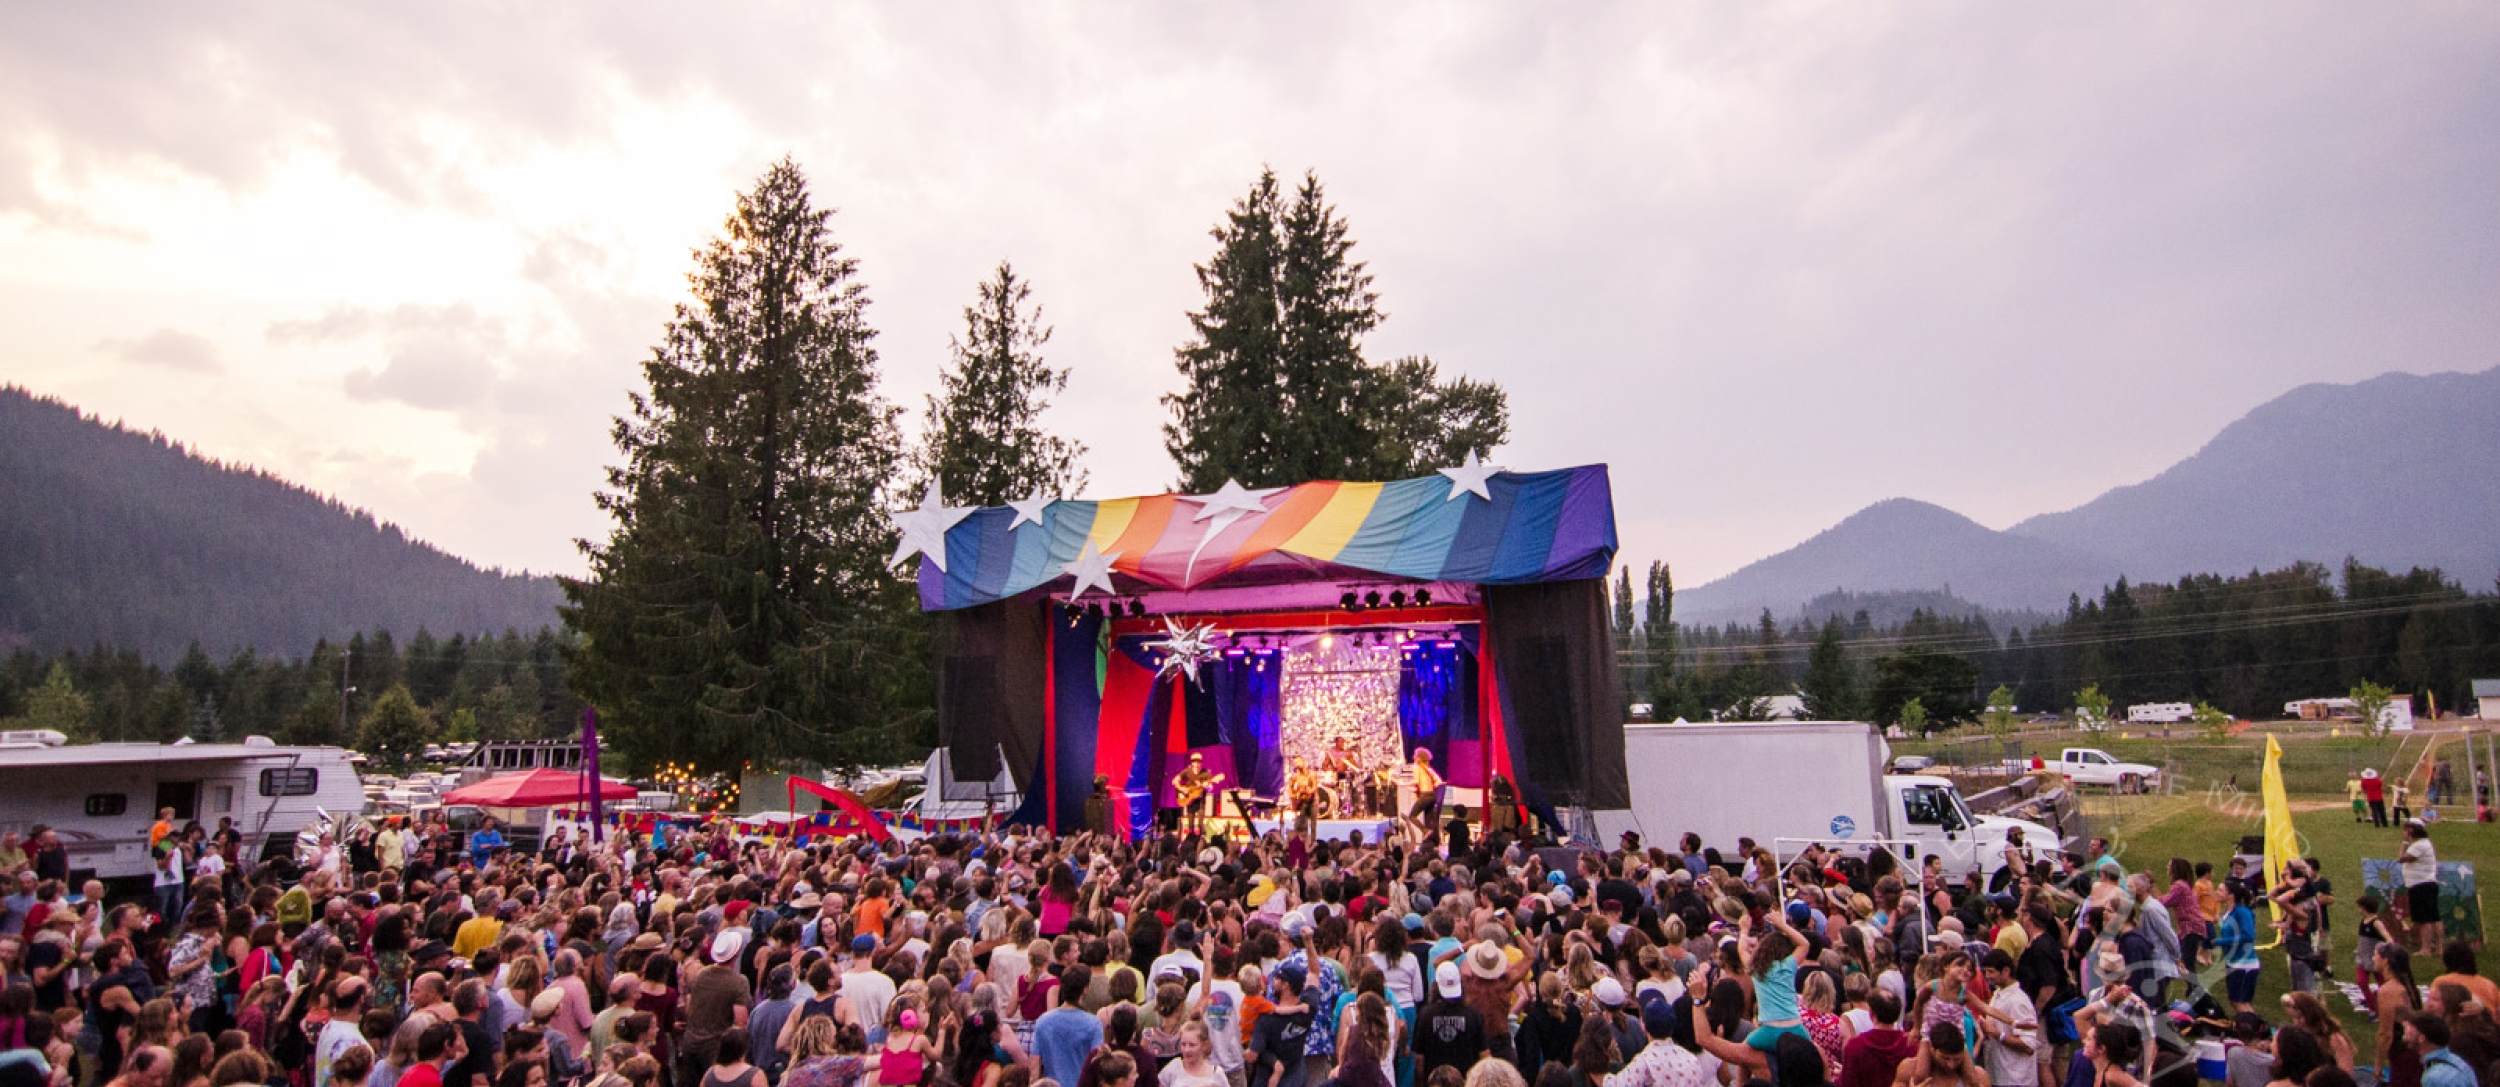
(1623, 606)
(59, 706)
(1276, 388)
(396, 729)
(985, 445)
(742, 608)
(1659, 621)
(1231, 417)
(1830, 687)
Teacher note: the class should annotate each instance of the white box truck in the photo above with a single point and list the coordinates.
(1821, 781)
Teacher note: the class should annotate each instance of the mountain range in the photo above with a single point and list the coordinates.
(114, 538)
(2396, 471)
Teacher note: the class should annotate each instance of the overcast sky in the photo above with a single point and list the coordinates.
(1770, 262)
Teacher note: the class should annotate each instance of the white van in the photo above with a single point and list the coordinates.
(101, 798)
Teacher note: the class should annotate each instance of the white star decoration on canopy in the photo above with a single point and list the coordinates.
(1092, 569)
(924, 529)
(1469, 478)
(1229, 502)
(1184, 648)
(1029, 510)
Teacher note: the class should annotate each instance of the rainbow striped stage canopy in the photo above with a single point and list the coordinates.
(1465, 525)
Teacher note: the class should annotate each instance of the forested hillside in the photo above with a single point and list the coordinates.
(110, 537)
(2247, 644)
(416, 691)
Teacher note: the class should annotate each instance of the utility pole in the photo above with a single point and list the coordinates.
(345, 654)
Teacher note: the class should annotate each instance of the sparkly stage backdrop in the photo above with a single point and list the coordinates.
(1347, 687)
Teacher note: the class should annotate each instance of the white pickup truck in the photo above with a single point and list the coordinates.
(2089, 766)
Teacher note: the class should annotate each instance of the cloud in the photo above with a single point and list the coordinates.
(1786, 259)
(438, 377)
(169, 348)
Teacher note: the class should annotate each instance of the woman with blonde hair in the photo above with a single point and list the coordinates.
(1580, 967)
(1818, 1004)
(1494, 1074)
(826, 1055)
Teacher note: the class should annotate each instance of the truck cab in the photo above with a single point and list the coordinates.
(1929, 812)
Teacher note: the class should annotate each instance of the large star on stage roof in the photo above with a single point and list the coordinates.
(1092, 569)
(1029, 510)
(1469, 478)
(924, 529)
(1184, 648)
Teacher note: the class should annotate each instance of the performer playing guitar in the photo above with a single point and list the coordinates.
(1427, 792)
(1343, 770)
(1302, 791)
(1193, 785)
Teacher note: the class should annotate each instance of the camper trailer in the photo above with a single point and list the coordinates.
(101, 798)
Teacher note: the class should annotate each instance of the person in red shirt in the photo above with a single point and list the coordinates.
(2374, 790)
(1871, 1058)
(438, 1046)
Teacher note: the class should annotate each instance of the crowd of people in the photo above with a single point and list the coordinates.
(407, 956)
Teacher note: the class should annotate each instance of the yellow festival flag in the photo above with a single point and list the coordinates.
(2282, 842)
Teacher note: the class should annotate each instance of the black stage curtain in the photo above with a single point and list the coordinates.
(992, 661)
(1555, 648)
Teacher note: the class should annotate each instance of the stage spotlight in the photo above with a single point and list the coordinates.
(1397, 598)
(1137, 609)
(1349, 602)
(1327, 641)
(1371, 599)
(1423, 598)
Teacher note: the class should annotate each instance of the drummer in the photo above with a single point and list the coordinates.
(1344, 771)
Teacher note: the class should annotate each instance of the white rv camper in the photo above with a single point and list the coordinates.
(101, 798)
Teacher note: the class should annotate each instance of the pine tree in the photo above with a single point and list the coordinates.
(1228, 421)
(1623, 605)
(396, 730)
(1830, 687)
(985, 445)
(1325, 305)
(1276, 388)
(742, 608)
(1666, 700)
(58, 705)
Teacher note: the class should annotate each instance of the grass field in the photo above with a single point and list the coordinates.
(2211, 800)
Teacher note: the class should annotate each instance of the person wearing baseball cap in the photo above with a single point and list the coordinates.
(1448, 1029)
(867, 987)
(1660, 1060)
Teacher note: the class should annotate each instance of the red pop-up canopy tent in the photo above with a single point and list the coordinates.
(536, 789)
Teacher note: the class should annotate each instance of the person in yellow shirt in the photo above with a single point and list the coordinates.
(480, 932)
(2011, 938)
(2352, 792)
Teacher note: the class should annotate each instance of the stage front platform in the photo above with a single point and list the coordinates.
(1333, 830)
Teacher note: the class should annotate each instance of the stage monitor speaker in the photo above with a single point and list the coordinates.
(1546, 704)
(969, 723)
